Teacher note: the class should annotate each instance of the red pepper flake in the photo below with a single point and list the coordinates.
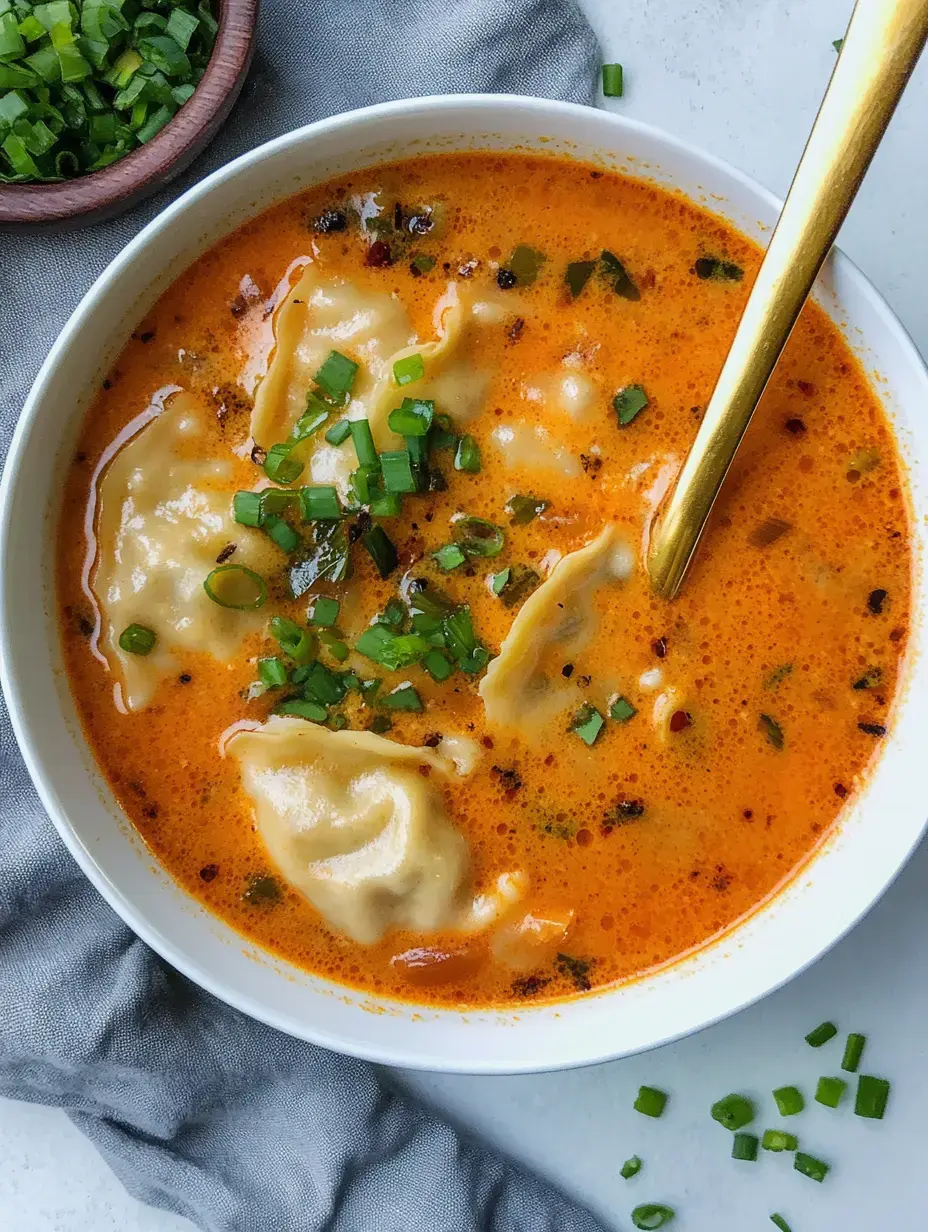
(209, 872)
(875, 601)
(872, 729)
(680, 720)
(897, 635)
(516, 329)
(529, 985)
(795, 426)
(805, 387)
(659, 646)
(226, 552)
(258, 455)
(378, 255)
(840, 790)
(432, 740)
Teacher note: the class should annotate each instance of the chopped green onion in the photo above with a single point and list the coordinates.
(409, 369)
(381, 550)
(336, 376)
(630, 1168)
(12, 44)
(337, 722)
(822, 1034)
(380, 725)
(31, 29)
(154, 124)
(165, 55)
(789, 1101)
(652, 1215)
(499, 581)
(404, 697)
(321, 685)
(458, 629)
(339, 432)
(829, 1091)
(578, 275)
(363, 440)
(272, 672)
(613, 81)
(397, 472)
(621, 710)
(137, 640)
(780, 1223)
(629, 402)
(837, 44)
(467, 456)
(733, 1112)
(853, 1051)
(423, 597)
(744, 1146)
(303, 709)
(441, 436)
(308, 423)
(413, 418)
(526, 264)
(449, 557)
(391, 650)
(282, 533)
(325, 611)
(872, 1096)
(587, 723)
(319, 503)
(394, 614)
(181, 27)
(386, 504)
(279, 465)
(524, 509)
(811, 1167)
(651, 1101)
(717, 270)
(295, 642)
(236, 586)
(338, 649)
(779, 1140)
(477, 537)
(622, 282)
(437, 666)
(364, 484)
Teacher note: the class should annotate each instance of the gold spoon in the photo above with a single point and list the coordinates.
(881, 47)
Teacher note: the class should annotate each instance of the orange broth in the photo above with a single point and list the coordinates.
(784, 653)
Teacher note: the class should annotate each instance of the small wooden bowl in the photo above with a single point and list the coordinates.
(102, 194)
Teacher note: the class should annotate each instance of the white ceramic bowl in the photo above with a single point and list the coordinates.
(843, 880)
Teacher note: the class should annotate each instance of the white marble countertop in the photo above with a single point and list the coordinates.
(742, 79)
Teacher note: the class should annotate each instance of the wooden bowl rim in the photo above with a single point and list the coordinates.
(191, 128)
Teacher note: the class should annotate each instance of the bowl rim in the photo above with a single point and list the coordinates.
(95, 195)
(14, 685)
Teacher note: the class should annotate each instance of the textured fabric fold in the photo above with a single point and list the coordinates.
(198, 1109)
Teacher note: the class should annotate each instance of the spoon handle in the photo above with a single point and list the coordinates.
(883, 43)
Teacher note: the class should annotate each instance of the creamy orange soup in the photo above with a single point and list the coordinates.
(496, 768)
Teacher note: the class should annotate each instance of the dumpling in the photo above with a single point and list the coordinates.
(567, 392)
(531, 447)
(523, 686)
(163, 516)
(317, 317)
(351, 823)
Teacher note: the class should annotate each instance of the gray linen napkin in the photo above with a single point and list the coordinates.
(197, 1108)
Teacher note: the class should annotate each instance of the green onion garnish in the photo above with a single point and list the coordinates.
(282, 533)
(280, 464)
(587, 723)
(467, 455)
(744, 1146)
(336, 376)
(246, 508)
(380, 725)
(397, 472)
(779, 1140)
(295, 642)
(717, 270)
(829, 1091)
(413, 418)
(629, 402)
(338, 649)
(780, 1223)
(621, 710)
(272, 672)
(811, 1167)
(339, 432)
(337, 722)
(364, 442)
(391, 650)
(630, 1168)
(386, 505)
(524, 509)
(365, 484)
(822, 1034)
(449, 557)
(499, 581)
(789, 1101)
(853, 1051)
(651, 1101)
(236, 586)
(325, 611)
(321, 685)
(578, 275)
(437, 666)
(137, 640)
(613, 83)
(837, 44)
(404, 697)
(622, 282)
(872, 1096)
(652, 1215)
(307, 424)
(394, 614)
(477, 537)
(409, 369)
(303, 709)
(319, 503)
(526, 264)
(381, 550)
(733, 1112)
